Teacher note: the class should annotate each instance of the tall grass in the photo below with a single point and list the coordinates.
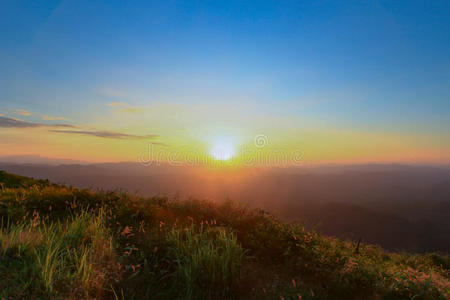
(59, 242)
(209, 260)
(58, 257)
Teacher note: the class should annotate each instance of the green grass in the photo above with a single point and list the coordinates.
(58, 242)
(42, 259)
(208, 261)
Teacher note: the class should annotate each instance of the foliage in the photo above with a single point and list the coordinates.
(62, 242)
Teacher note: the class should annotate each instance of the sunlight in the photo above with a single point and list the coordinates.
(223, 148)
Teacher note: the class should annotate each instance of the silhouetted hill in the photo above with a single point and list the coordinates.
(395, 206)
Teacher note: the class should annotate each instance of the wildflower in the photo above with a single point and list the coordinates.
(36, 219)
(126, 230)
(308, 238)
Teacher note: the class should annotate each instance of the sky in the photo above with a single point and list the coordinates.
(318, 81)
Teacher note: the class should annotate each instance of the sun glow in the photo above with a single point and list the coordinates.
(223, 148)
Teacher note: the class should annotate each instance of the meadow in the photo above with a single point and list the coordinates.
(60, 242)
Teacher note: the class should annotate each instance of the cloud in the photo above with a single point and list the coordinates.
(108, 134)
(21, 112)
(133, 110)
(17, 123)
(127, 108)
(117, 104)
(51, 118)
(6, 122)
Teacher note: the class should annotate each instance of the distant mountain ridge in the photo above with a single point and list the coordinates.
(36, 159)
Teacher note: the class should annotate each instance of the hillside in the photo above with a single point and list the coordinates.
(62, 242)
(399, 207)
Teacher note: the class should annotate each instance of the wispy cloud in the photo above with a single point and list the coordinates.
(135, 109)
(52, 118)
(118, 104)
(108, 134)
(17, 123)
(20, 112)
(127, 108)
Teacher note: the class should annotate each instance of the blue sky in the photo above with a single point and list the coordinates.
(380, 66)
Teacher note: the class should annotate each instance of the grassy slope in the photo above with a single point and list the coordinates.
(62, 242)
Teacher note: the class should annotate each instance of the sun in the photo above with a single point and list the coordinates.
(223, 148)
